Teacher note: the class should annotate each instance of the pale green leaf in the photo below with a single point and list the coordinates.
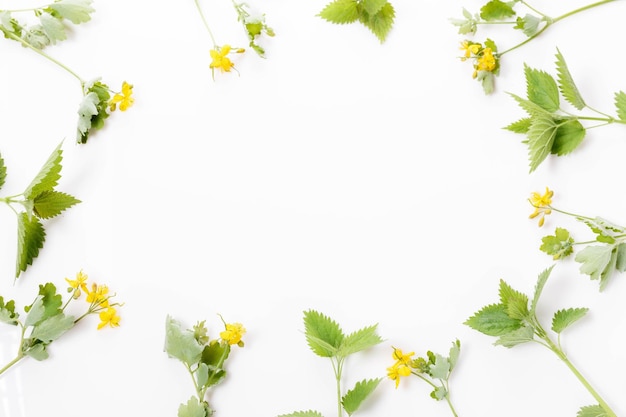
(453, 356)
(529, 107)
(340, 12)
(620, 262)
(193, 408)
(516, 337)
(598, 262)
(52, 27)
(6, 21)
(48, 175)
(496, 10)
(37, 352)
(359, 340)
(592, 411)
(381, 22)
(309, 413)
(515, 302)
(541, 136)
(529, 24)
(564, 318)
(87, 109)
(493, 320)
(541, 89)
(323, 334)
(520, 126)
(36, 37)
(202, 374)
(559, 245)
(541, 282)
(355, 397)
(373, 6)
(52, 203)
(569, 134)
(620, 104)
(3, 172)
(439, 393)
(566, 83)
(36, 312)
(7, 312)
(487, 80)
(441, 368)
(30, 239)
(180, 343)
(52, 328)
(606, 231)
(76, 11)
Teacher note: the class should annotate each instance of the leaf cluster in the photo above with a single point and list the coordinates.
(377, 15)
(549, 129)
(438, 368)
(254, 27)
(51, 26)
(39, 201)
(497, 11)
(93, 109)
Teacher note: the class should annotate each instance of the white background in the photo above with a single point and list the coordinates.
(373, 183)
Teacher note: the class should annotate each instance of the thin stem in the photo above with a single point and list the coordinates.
(18, 358)
(206, 25)
(533, 9)
(582, 9)
(338, 369)
(527, 40)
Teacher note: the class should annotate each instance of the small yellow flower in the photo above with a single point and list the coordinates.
(125, 99)
(402, 358)
(110, 317)
(398, 371)
(469, 49)
(220, 59)
(541, 203)
(78, 284)
(485, 62)
(233, 333)
(98, 295)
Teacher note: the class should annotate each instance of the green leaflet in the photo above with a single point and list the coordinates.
(309, 413)
(516, 337)
(377, 15)
(192, 408)
(48, 176)
(541, 135)
(620, 104)
(3, 172)
(341, 11)
(592, 411)
(558, 245)
(358, 341)
(381, 22)
(52, 328)
(51, 203)
(30, 239)
(496, 10)
(515, 302)
(564, 318)
(323, 334)
(493, 320)
(76, 11)
(541, 89)
(7, 312)
(181, 343)
(529, 24)
(566, 83)
(599, 262)
(569, 134)
(355, 397)
(52, 27)
(93, 110)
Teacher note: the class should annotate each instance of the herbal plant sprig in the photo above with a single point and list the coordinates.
(47, 318)
(513, 322)
(599, 261)
(39, 201)
(376, 15)
(550, 129)
(529, 21)
(326, 339)
(98, 100)
(434, 369)
(204, 359)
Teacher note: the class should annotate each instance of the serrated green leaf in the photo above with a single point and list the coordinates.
(309, 413)
(529, 107)
(341, 12)
(592, 411)
(515, 302)
(541, 89)
(48, 175)
(559, 245)
(49, 204)
(193, 408)
(566, 83)
(521, 126)
(493, 320)
(76, 11)
(7, 312)
(441, 368)
(373, 6)
(541, 136)
(379, 23)
(620, 104)
(355, 397)
(180, 343)
(52, 27)
(564, 318)
(323, 335)
(52, 328)
(359, 340)
(453, 356)
(30, 238)
(3, 172)
(496, 10)
(598, 262)
(569, 134)
(516, 337)
(37, 352)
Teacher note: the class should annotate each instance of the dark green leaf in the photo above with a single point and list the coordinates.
(493, 320)
(541, 89)
(48, 175)
(569, 134)
(30, 238)
(214, 354)
(355, 397)
(48, 204)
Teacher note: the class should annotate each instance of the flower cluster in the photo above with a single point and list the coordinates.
(402, 366)
(541, 203)
(98, 298)
(485, 59)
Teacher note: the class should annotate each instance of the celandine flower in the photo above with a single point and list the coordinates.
(78, 284)
(469, 49)
(486, 61)
(402, 358)
(98, 295)
(109, 317)
(220, 58)
(541, 203)
(124, 99)
(398, 371)
(233, 333)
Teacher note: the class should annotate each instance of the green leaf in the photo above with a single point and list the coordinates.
(468, 24)
(521, 126)
(569, 134)
(76, 11)
(515, 302)
(566, 83)
(309, 413)
(373, 6)
(93, 110)
(52, 203)
(37, 352)
(606, 231)
(30, 238)
(193, 408)
(202, 374)
(355, 397)
(52, 27)
(359, 340)
(516, 337)
(48, 175)
(592, 411)
(564, 318)
(180, 343)
(52, 328)
(36, 312)
(3, 172)
(528, 24)
(496, 10)
(493, 320)
(215, 354)
(453, 356)
(7, 312)
(620, 262)
(323, 335)
(487, 80)
(559, 245)
(441, 368)
(541, 89)
(541, 136)
(598, 262)
(36, 37)
(529, 107)
(439, 393)
(379, 23)
(340, 12)
(47, 304)
(620, 104)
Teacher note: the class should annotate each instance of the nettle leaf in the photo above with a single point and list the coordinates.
(359, 340)
(180, 343)
(598, 262)
(559, 245)
(309, 413)
(528, 24)
(441, 368)
(52, 27)
(193, 408)
(515, 302)
(516, 337)
(569, 134)
(566, 83)
(592, 411)
(529, 107)
(373, 6)
(381, 22)
(521, 126)
(30, 238)
(564, 318)
(355, 397)
(76, 11)
(340, 12)
(541, 282)
(52, 328)
(541, 89)
(496, 10)
(541, 136)
(49, 204)
(48, 176)
(493, 320)
(7, 312)
(620, 104)
(323, 334)
(3, 172)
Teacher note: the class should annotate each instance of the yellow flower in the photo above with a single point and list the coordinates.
(233, 333)
(110, 317)
(469, 49)
(125, 99)
(541, 203)
(98, 295)
(485, 62)
(402, 358)
(398, 371)
(220, 59)
(78, 284)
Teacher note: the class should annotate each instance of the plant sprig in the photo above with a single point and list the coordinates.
(39, 201)
(204, 359)
(550, 129)
(514, 322)
(327, 340)
(528, 21)
(376, 15)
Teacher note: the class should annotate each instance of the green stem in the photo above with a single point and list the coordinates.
(18, 358)
(447, 397)
(338, 369)
(206, 25)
